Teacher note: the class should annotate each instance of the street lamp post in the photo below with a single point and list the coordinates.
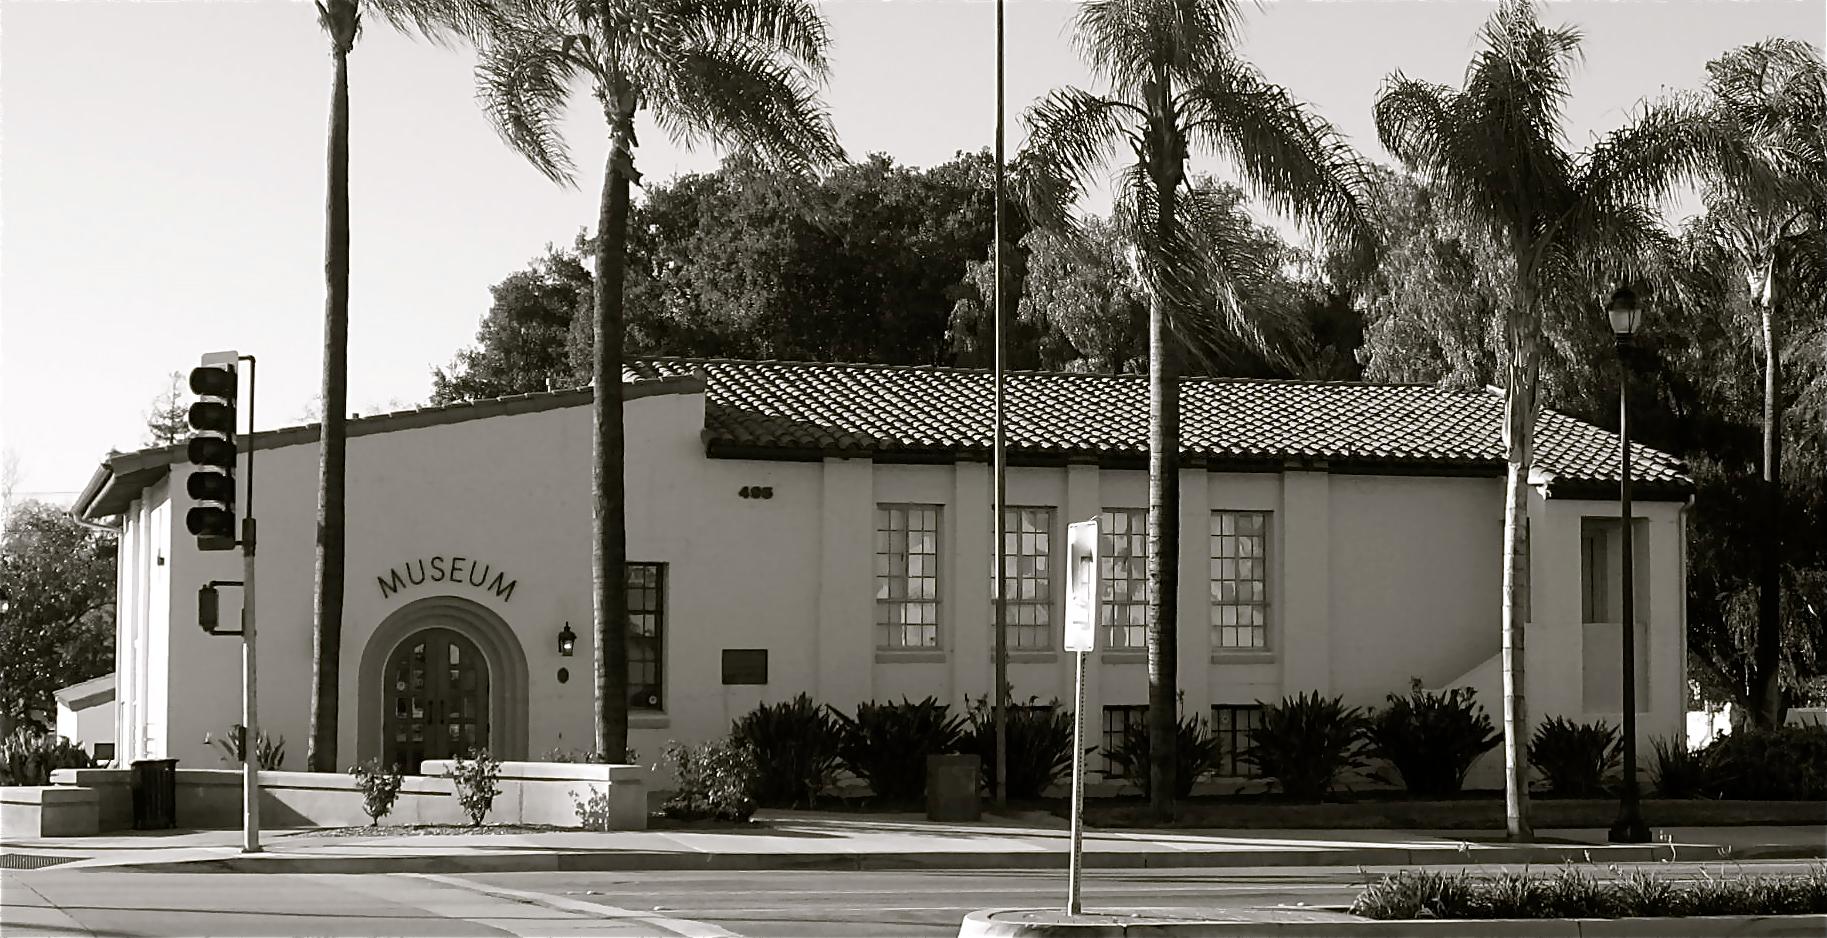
(1625, 317)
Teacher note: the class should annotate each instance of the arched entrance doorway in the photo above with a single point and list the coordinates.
(465, 685)
(437, 698)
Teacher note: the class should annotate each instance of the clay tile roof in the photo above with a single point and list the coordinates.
(807, 410)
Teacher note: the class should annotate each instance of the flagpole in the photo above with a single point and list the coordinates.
(999, 460)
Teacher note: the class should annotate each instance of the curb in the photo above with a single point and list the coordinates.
(578, 861)
(1035, 923)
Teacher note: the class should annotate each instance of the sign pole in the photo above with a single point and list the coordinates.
(1076, 870)
(1080, 638)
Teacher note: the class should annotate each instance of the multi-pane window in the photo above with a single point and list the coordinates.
(1118, 720)
(1231, 726)
(646, 631)
(1123, 559)
(1027, 582)
(907, 576)
(1240, 579)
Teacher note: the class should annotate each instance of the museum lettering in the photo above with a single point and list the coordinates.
(442, 569)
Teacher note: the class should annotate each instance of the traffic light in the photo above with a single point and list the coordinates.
(212, 451)
(209, 608)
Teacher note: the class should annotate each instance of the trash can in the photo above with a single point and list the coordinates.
(155, 794)
(951, 787)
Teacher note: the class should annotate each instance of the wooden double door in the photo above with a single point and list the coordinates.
(437, 699)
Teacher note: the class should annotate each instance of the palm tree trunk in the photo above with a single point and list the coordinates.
(608, 514)
(327, 605)
(1163, 536)
(1766, 655)
(1519, 433)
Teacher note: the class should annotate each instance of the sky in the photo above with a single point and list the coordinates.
(162, 172)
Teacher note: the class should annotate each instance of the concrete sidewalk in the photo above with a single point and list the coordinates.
(845, 841)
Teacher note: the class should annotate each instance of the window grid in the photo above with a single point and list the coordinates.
(1231, 726)
(1123, 568)
(1118, 718)
(1027, 577)
(1240, 579)
(646, 583)
(906, 576)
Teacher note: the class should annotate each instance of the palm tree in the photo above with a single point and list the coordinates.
(1769, 211)
(437, 20)
(1495, 150)
(1175, 82)
(738, 73)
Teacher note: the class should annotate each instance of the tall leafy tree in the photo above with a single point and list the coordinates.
(1495, 151)
(738, 73)
(341, 21)
(1174, 81)
(524, 342)
(1770, 212)
(168, 421)
(56, 609)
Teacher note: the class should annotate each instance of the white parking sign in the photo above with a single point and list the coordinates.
(1081, 586)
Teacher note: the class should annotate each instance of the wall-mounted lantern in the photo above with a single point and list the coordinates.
(567, 641)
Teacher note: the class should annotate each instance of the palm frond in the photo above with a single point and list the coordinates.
(1674, 141)
(1071, 134)
(522, 81)
(441, 22)
(742, 97)
(791, 28)
(1289, 156)
(1130, 42)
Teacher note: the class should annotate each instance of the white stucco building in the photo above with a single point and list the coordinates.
(826, 528)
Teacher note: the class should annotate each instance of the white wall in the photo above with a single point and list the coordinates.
(1374, 580)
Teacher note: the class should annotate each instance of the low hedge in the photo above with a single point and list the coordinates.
(1481, 812)
(1572, 892)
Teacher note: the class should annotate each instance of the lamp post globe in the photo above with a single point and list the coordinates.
(1625, 317)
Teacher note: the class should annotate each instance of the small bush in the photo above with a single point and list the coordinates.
(1782, 764)
(1305, 743)
(28, 757)
(1677, 771)
(1575, 757)
(1195, 749)
(476, 779)
(716, 779)
(1432, 739)
(1040, 744)
(796, 747)
(592, 811)
(380, 787)
(1573, 893)
(269, 753)
(887, 744)
(589, 757)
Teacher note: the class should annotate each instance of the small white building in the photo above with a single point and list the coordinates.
(86, 716)
(826, 529)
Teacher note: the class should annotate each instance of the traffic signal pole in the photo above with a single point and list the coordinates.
(250, 700)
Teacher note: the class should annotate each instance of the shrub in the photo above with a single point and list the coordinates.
(1305, 743)
(476, 780)
(590, 757)
(1781, 764)
(269, 754)
(380, 787)
(1195, 749)
(592, 811)
(1040, 744)
(796, 747)
(887, 744)
(1677, 771)
(28, 757)
(716, 779)
(1572, 893)
(1575, 757)
(1432, 739)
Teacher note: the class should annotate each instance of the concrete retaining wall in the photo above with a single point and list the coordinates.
(531, 793)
